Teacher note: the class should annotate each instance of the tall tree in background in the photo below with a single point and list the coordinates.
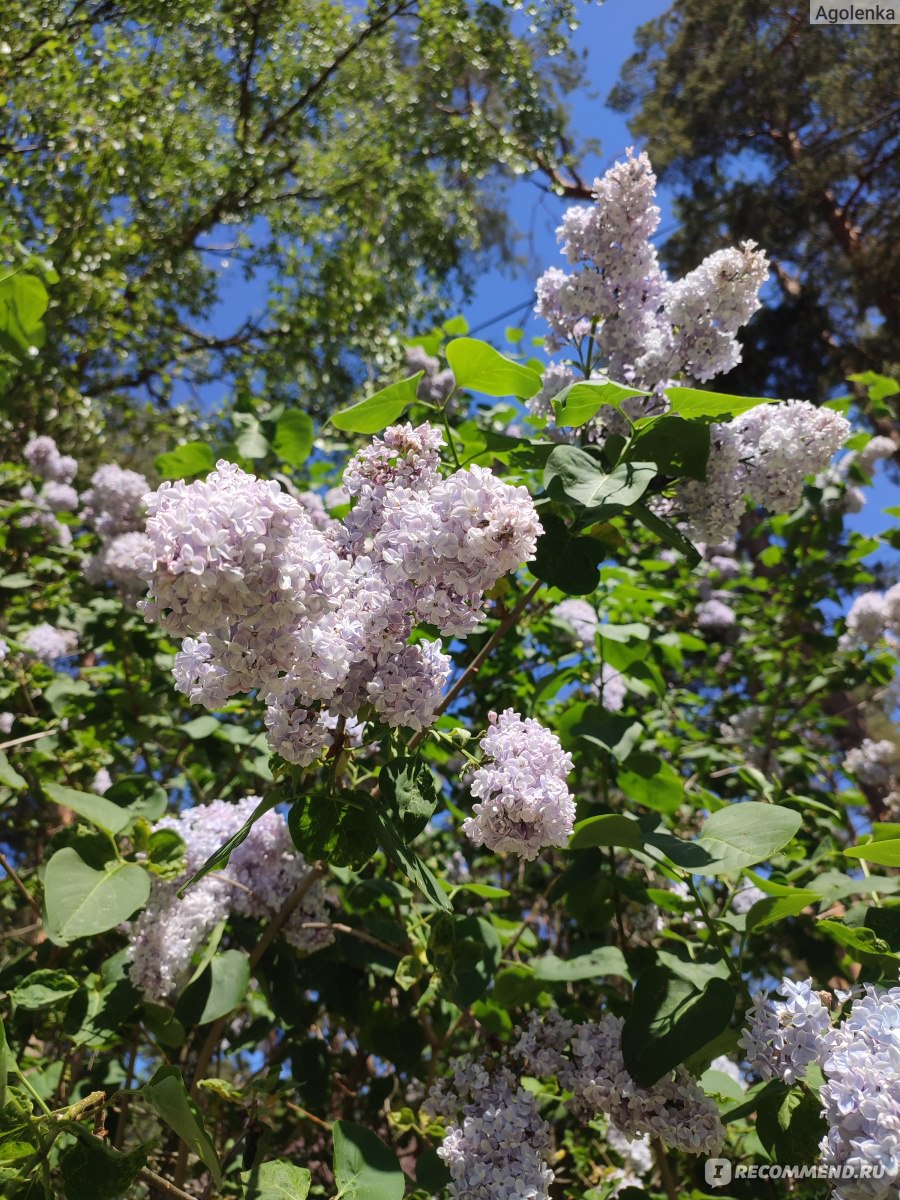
(773, 129)
(326, 171)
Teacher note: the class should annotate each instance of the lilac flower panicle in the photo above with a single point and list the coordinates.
(45, 461)
(114, 503)
(261, 875)
(524, 803)
(580, 615)
(610, 688)
(861, 1098)
(407, 689)
(47, 643)
(871, 762)
(782, 1037)
(715, 616)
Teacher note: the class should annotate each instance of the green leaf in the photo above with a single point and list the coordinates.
(885, 853)
(338, 829)
(858, 938)
(697, 405)
(221, 856)
(776, 908)
(23, 301)
(293, 439)
(565, 560)
(480, 368)
(96, 809)
(745, 834)
(45, 989)
(617, 735)
(364, 1167)
(593, 964)
(576, 404)
(409, 787)
(81, 901)
(9, 776)
(218, 991)
(790, 1124)
(375, 412)
(669, 1020)
(249, 439)
(200, 727)
(93, 1170)
(466, 952)
(667, 533)
(679, 448)
(610, 829)
(404, 858)
(169, 1099)
(184, 462)
(278, 1180)
(575, 475)
(652, 782)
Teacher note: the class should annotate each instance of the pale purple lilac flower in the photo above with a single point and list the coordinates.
(782, 1037)
(48, 643)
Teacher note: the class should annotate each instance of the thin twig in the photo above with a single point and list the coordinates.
(20, 884)
(29, 737)
(163, 1185)
(308, 1116)
(357, 933)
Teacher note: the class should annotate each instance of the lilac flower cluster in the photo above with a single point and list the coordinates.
(872, 617)
(317, 616)
(872, 763)
(764, 456)
(610, 688)
(715, 616)
(114, 508)
(260, 876)
(580, 616)
(48, 643)
(674, 1109)
(861, 1099)
(497, 1146)
(56, 494)
(436, 385)
(783, 1037)
(524, 800)
(649, 329)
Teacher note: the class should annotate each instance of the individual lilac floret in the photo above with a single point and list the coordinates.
(861, 1098)
(871, 762)
(47, 643)
(782, 1038)
(525, 804)
(44, 460)
(114, 503)
(580, 615)
(261, 875)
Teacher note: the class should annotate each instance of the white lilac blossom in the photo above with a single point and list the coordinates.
(745, 897)
(610, 688)
(871, 616)
(674, 1109)
(116, 562)
(580, 615)
(637, 1153)
(497, 1143)
(4, 649)
(727, 1066)
(871, 762)
(260, 877)
(861, 1098)
(47, 643)
(58, 497)
(524, 803)
(649, 328)
(714, 616)
(7, 720)
(782, 1037)
(114, 503)
(435, 385)
(318, 621)
(45, 461)
(102, 782)
(875, 449)
(764, 456)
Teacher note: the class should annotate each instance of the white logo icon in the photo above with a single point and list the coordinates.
(717, 1172)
